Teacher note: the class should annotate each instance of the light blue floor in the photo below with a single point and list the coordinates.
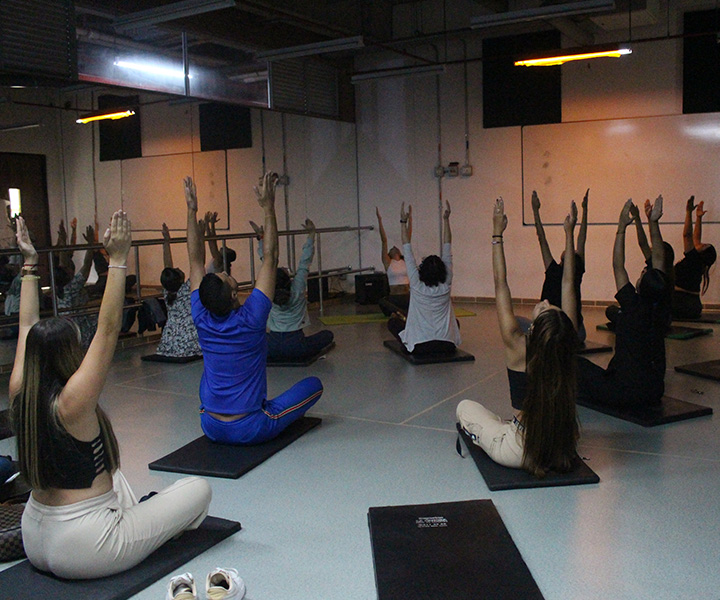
(649, 529)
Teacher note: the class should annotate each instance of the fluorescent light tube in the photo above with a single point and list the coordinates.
(434, 69)
(563, 58)
(170, 12)
(112, 113)
(542, 12)
(350, 43)
(151, 69)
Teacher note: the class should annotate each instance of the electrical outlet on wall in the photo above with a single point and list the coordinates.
(283, 180)
(466, 170)
(439, 171)
(453, 169)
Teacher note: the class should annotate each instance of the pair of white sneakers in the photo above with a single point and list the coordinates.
(220, 584)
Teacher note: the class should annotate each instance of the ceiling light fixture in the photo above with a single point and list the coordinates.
(19, 126)
(111, 113)
(433, 69)
(170, 12)
(560, 59)
(151, 69)
(542, 12)
(337, 45)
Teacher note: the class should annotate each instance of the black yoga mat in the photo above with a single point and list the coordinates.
(23, 581)
(676, 332)
(589, 347)
(447, 551)
(707, 316)
(457, 356)
(203, 457)
(707, 370)
(499, 478)
(300, 362)
(669, 411)
(170, 359)
(5, 431)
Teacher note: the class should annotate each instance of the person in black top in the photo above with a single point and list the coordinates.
(635, 376)
(551, 290)
(692, 272)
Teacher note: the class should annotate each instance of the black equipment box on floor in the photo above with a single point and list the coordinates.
(369, 288)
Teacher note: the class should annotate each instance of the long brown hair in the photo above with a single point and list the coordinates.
(549, 413)
(53, 352)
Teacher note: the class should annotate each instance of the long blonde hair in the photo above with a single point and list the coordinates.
(52, 354)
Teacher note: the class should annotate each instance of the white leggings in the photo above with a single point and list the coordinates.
(500, 439)
(110, 533)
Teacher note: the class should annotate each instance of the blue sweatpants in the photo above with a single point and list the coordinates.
(267, 422)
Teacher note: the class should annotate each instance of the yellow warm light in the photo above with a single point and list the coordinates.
(116, 115)
(558, 60)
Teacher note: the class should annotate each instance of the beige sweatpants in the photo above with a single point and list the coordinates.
(500, 439)
(112, 532)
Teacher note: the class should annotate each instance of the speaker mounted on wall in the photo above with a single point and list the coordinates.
(120, 139)
(224, 126)
(701, 62)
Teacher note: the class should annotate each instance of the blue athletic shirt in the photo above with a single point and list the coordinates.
(235, 355)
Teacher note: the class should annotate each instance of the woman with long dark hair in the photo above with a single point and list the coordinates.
(82, 519)
(692, 272)
(543, 433)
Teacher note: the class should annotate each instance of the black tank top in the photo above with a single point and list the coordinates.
(518, 388)
(72, 464)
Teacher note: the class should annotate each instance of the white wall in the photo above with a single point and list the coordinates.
(397, 132)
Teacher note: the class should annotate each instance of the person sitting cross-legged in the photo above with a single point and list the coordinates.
(234, 407)
(431, 326)
(285, 336)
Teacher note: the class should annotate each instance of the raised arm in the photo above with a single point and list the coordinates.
(641, 237)
(195, 242)
(78, 399)
(167, 250)
(540, 231)
(64, 256)
(29, 303)
(688, 243)
(308, 252)
(267, 275)
(404, 228)
(658, 248)
(447, 233)
(697, 234)
(210, 219)
(89, 237)
(621, 276)
(259, 234)
(582, 234)
(410, 223)
(568, 294)
(510, 332)
(383, 240)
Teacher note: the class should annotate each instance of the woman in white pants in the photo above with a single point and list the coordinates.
(82, 519)
(541, 367)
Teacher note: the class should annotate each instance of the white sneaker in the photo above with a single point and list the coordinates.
(224, 584)
(182, 587)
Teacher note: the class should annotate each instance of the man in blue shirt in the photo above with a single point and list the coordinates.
(233, 389)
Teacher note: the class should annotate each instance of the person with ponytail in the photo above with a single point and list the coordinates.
(692, 273)
(82, 519)
(179, 336)
(288, 315)
(544, 431)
